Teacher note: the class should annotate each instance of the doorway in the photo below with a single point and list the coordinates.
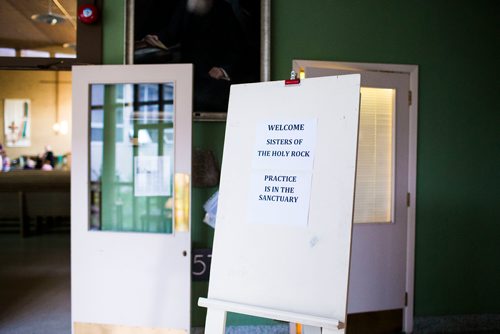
(34, 203)
(382, 261)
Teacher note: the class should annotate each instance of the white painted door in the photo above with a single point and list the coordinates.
(131, 164)
(379, 241)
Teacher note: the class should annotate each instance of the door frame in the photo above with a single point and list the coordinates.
(412, 71)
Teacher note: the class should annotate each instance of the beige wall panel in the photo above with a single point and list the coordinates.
(48, 100)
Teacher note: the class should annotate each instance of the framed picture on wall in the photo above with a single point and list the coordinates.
(227, 41)
(17, 122)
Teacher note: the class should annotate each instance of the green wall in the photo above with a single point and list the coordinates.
(113, 26)
(205, 136)
(455, 44)
(209, 136)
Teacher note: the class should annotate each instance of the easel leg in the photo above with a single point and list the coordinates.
(216, 321)
(332, 331)
(311, 330)
(319, 330)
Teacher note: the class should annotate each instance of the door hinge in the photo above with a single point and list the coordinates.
(406, 298)
(409, 98)
(408, 199)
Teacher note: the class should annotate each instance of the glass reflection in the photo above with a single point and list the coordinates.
(131, 157)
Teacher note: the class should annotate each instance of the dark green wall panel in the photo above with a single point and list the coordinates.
(209, 136)
(456, 47)
(113, 26)
(205, 136)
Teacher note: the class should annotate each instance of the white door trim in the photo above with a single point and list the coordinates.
(412, 70)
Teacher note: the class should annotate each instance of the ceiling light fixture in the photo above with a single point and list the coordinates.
(69, 45)
(49, 17)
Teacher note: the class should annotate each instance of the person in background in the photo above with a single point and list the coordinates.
(1, 157)
(4, 160)
(46, 165)
(30, 163)
(48, 157)
(207, 34)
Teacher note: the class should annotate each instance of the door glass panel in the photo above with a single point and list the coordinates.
(375, 170)
(131, 157)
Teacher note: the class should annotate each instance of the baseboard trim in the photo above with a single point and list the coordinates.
(263, 329)
(466, 323)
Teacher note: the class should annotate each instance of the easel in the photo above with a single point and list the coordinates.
(283, 235)
(217, 311)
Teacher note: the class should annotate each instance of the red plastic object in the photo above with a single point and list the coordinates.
(292, 82)
(88, 14)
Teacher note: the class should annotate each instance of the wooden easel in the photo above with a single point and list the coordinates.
(284, 222)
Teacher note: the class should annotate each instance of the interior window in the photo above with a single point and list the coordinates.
(131, 157)
(375, 168)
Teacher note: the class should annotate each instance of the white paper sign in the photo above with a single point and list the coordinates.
(152, 176)
(279, 197)
(285, 144)
(282, 171)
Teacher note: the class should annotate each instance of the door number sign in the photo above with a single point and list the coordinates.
(200, 264)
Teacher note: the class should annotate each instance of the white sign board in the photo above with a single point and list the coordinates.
(284, 218)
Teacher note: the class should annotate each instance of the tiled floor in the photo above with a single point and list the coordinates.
(35, 293)
(463, 324)
(35, 287)
(35, 284)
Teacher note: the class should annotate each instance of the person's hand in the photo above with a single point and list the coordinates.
(155, 41)
(150, 40)
(218, 74)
